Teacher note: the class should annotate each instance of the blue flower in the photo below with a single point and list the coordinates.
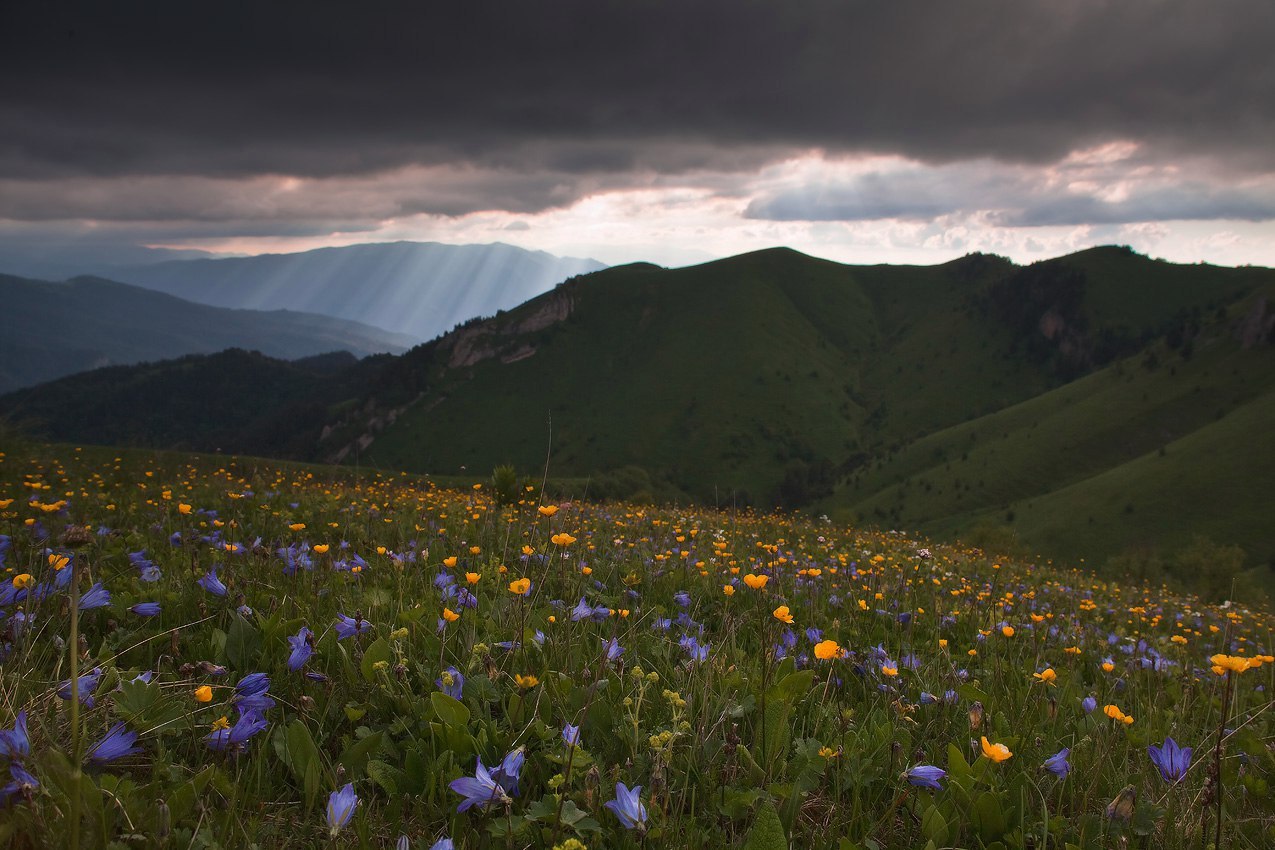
(145, 609)
(248, 724)
(506, 774)
(627, 806)
(348, 626)
(682, 598)
(451, 682)
(117, 743)
(211, 583)
(926, 776)
(96, 596)
(1171, 760)
(614, 650)
(23, 783)
(1057, 764)
(443, 844)
(85, 686)
(302, 648)
(696, 650)
(341, 806)
(478, 790)
(251, 694)
(14, 743)
(571, 735)
(1089, 704)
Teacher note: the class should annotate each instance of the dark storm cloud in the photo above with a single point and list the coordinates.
(163, 121)
(583, 87)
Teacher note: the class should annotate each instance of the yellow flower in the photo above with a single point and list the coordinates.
(829, 752)
(321, 548)
(942, 643)
(1047, 676)
(1107, 666)
(183, 508)
(520, 586)
(59, 562)
(783, 615)
(450, 616)
(1115, 713)
(527, 681)
(297, 526)
(826, 650)
(475, 550)
(1232, 663)
(889, 671)
(756, 582)
(588, 571)
(472, 578)
(22, 580)
(562, 539)
(996, 752)
(1178, 639)
(222, 722)
(1007, 631)
(728, 589)
(548, 510)
(203, 693)
(449, 561)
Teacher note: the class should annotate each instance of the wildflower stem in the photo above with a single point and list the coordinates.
(1217, 759)
(74, 646)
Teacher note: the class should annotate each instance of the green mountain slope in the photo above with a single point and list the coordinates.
(949, 398)
(56, 329)
(233, 401)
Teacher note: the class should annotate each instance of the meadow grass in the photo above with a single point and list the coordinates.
(580, 651)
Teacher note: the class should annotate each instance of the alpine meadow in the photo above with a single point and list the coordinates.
(714, 425)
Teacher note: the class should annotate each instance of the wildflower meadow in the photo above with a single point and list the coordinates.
(207, 652)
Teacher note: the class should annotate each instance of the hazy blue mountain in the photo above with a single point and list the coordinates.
(48, 330)
(62, 259)
(418, 288)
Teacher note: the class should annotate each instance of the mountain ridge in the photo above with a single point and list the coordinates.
(939, 397)
(60, 328)
(422, 289)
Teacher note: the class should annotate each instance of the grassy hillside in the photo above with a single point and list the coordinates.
(244, 402)
(950, 398)
(719, 377)
(55, 329)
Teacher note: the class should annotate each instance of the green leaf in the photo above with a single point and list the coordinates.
(243, 645)
(572, 815)
(302, 755)
(755, 774)
(767, 833)
(357, 754)
(989, 816)
(934, 826)
(384, 775)
(794, 686)
(377, 652)
(738, 802)
(134, 698)
(452, 712)
(956, 763)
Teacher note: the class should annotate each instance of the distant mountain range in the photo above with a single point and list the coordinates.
(48, 330)
(421, 289)
(1083, 405)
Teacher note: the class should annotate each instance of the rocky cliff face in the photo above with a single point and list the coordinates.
(503, 337)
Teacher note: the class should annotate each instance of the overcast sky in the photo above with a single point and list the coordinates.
(667, 131)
